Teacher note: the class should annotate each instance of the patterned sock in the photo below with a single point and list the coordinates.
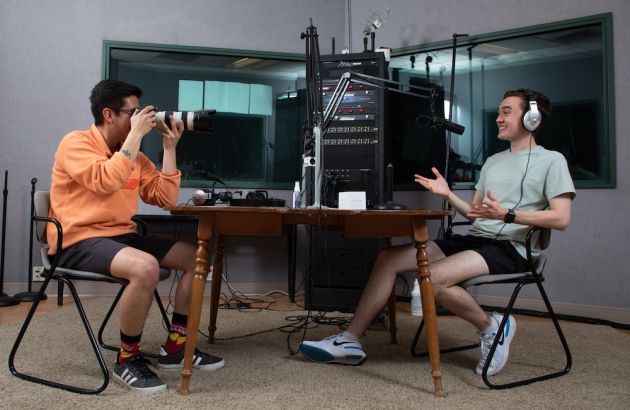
(176, 339)
(129, 346)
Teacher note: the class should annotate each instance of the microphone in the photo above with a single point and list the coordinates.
(212, 177)
(439, 122)
(202, 197)
(448, 125)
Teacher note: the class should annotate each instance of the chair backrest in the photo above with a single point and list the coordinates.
(544, 239)
(42, 207)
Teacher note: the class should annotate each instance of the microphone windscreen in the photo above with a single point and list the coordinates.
(199, 197)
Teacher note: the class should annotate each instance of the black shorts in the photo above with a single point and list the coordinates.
(96, 254)
(500, 256)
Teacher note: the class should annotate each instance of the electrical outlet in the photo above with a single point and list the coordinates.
(37, 273)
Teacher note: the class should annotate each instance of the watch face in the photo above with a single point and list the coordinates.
(509, 217)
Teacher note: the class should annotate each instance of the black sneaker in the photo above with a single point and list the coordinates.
(135, 374)
(201, 360)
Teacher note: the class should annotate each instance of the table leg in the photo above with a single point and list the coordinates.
(391, 305)
(421, 235)
(215, 290)
(202, 257)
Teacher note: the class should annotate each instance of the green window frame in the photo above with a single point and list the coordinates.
(255, 149)
(605, 109)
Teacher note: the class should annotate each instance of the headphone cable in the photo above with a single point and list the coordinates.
(529, 154)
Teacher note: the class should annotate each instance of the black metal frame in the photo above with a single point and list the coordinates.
(49, 274)
(111, 310)
(66, 277)
(535, 276)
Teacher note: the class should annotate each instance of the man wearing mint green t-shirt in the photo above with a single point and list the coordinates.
(523, 186)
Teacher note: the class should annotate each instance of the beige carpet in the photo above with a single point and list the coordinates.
(260, 373)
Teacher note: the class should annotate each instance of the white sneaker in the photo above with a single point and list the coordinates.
(334, 349)
(500, 357)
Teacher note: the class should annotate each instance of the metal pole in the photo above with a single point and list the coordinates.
(29, 295)
(5, 300)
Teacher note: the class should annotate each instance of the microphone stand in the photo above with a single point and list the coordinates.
(313, 128)
(5, 300)
(447, 174)
(29, 295)
(390, 205)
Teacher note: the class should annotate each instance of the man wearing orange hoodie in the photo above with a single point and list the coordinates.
(97, 178)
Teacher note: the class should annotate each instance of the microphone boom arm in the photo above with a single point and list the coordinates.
(364, 79)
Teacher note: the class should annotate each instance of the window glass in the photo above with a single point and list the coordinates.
(259, 100)
(571, 65)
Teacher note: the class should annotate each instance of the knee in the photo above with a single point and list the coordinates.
(181, 257)
(388, 257)
(437, 291)
(438, 285)
(146, 273)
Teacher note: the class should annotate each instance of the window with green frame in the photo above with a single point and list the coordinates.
(569, 61)
(260, 104)
(260, 100)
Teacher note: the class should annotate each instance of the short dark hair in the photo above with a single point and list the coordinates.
(110, 94)
(544, 105)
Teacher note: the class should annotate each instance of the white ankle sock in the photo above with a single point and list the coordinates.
(349, 336)
(492, 328)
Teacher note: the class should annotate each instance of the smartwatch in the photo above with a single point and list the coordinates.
(509, 217)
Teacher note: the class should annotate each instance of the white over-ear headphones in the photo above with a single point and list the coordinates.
(532, 118)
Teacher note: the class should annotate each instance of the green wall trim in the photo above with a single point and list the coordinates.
(111, 44)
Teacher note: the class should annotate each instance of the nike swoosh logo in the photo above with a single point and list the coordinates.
(335, 343)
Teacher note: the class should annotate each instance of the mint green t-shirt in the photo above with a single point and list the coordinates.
(546, 176)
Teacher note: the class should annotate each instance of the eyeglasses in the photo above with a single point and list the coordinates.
(131, 111)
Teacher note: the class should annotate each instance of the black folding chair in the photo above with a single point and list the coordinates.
(533, 276)
(63, 277)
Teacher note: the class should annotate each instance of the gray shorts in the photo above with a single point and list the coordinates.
(500, 255)
(96, 254)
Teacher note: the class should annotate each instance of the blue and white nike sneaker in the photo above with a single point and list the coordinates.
(334, 349)
(500, 357)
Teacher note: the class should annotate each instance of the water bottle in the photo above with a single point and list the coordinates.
(296, 195)
(416, 305)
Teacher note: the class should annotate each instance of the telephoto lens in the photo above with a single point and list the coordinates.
(200, 121)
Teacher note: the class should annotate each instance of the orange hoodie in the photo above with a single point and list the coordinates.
(94, 192)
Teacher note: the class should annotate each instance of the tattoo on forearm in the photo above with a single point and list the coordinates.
(126, 153)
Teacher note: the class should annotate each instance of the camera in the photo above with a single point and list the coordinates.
(199, 121)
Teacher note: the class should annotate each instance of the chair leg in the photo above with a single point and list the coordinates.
(391, 310)
(547, 376)
(158, 301)
(416, 338)
(88, 329)
(59, 293)
(106, 320)
(111, 310)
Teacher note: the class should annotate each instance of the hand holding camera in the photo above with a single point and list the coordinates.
(143, 120)
(170, 134)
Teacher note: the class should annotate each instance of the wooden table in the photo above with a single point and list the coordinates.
(221, 221)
